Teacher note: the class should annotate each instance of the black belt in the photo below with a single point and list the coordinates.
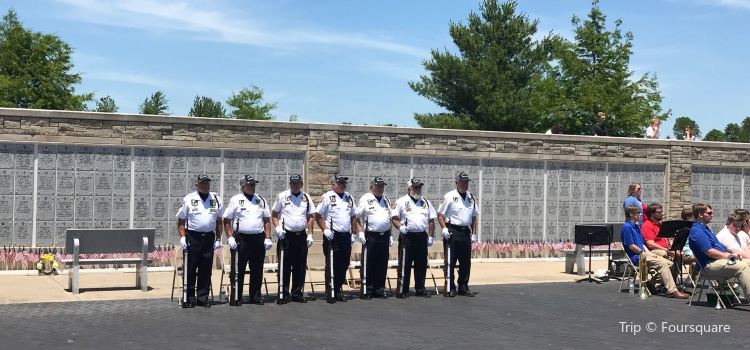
(377, 233)
(341, 232)
(457, 227)
(295, 232)
(408, 232)
(199, 232)
(245, 233)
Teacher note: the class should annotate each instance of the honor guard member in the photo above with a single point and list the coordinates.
(199, 226)
(413, 217)
(457, 216)
(292, 215)
(374, 213)
(248, 226)
(335, 215)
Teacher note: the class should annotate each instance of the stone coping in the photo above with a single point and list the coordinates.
(38, 113)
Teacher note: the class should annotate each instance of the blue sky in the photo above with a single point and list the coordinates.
(350, 61)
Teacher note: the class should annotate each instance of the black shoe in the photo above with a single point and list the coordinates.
(282, 301)
(365, 296)
(188, 305)
(466, 293)
(257, 301)
(402, 295)
(452, 293)
(299, 299)
(235, 303)
(420, 293)
(340, 297)
(203, 304)
(331, 300)
(379, 296)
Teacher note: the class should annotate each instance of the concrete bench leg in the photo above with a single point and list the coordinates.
(73, 279)
(570, 261)
(141, 277)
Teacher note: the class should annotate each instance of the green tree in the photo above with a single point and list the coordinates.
(592, 74)
(248, 104)
(156, 104)
(106, 104)
(714, 135)
(206, 107)
(683, 122)
(35, 69)
(745, 130)
(490, 83)
(732, 132)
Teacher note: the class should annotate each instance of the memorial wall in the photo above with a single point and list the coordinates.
(61, 170)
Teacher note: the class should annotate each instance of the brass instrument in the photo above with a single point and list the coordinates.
(643, 274)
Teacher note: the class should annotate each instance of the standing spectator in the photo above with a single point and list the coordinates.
(634, 198)
(652, 132)
(600, 127)
(689, 134)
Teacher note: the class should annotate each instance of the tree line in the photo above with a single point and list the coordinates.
(35, 72)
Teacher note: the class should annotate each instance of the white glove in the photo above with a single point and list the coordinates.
(232, 243)
(309, 240)
(217, 244)
(402, 229)
(183, 242)
(473, 238)
(328, 233)
(280, 232)
(268, 244)
(446, 233)
(354, 238)
(362, 238)
(429, 241)
(390, 241)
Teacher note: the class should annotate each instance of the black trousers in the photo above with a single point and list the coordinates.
(200, 257)
(377, 246)
(294, 264)
(460, 244)
(250, 250)
(412, 249)
(341, 245)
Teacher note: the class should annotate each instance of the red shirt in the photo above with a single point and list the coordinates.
(649, 230)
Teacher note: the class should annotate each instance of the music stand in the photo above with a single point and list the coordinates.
(679, 230)
(591, 235)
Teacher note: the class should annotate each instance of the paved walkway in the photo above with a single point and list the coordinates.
(97, 285)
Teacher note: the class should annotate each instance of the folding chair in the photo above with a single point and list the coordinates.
(177, 263)
(702, 280)
(631, 271)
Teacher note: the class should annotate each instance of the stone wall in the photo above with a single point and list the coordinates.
(323, 143)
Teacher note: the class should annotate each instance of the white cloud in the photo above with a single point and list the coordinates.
(215, 25)
(743, 4)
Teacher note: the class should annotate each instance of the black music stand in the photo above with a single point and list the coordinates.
(591, 235)
(679, 230)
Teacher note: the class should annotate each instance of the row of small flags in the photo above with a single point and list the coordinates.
(24, 258)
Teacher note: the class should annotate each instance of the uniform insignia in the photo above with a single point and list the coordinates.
(455, 199)
(408, 206)
(304, 198)
(194, 202)
(212, 202)
(242, 202)
(369, 201)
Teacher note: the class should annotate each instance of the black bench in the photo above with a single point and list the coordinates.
(80, 241)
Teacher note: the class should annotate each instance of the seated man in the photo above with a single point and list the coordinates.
(633, 243)
(650, 229)
(712, 257)
(729, 237)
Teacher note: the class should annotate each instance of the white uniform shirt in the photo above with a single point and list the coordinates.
(200, 215)
(458, 211)
(293, 210)
(375, 215)
(247, 214)
(730, 241)
(337, 210)
(415, 216)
